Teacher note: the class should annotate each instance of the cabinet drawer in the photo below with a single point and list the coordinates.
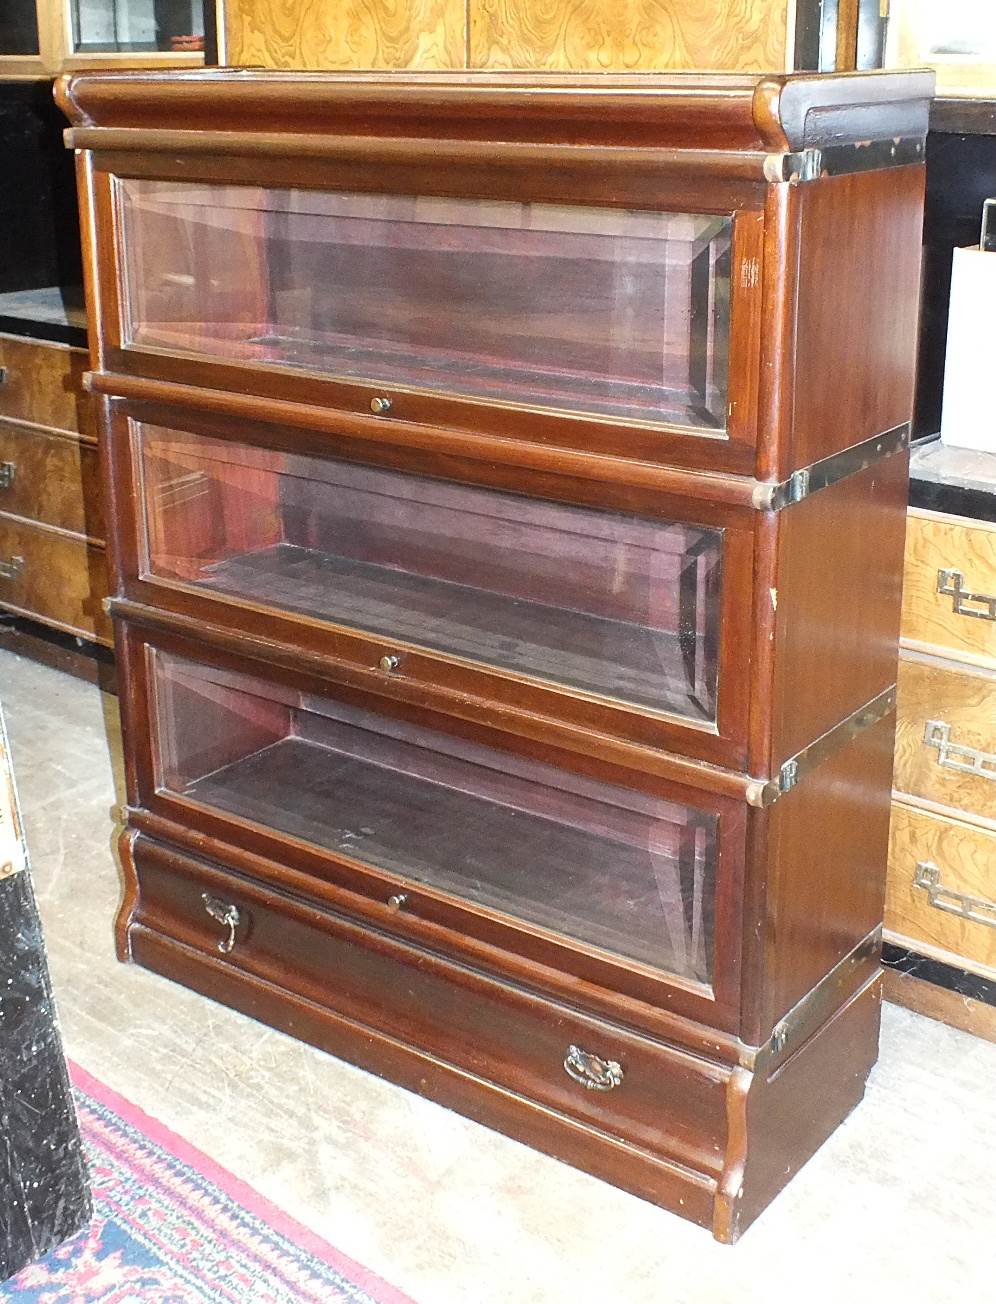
(42, 384)
(661, 1099)
(946, 734)
(53, 578)
(50, 479)
(939, 869)
(959, 558)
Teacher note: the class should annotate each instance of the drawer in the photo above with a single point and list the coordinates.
(51, 479)
(946, 734)
(42, 384)
(659, 1098)
(949, 588)
(940, 872)
(54, 578)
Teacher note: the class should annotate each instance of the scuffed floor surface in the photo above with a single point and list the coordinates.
(898, 1205)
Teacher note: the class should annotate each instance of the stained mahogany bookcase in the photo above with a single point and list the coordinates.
(507, 482)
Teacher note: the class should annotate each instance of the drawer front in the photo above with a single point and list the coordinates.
(946, 735)
(53, 578)
(42, 384)
(949, 588)
(942, 885)
(50, 479)
(661, 1099)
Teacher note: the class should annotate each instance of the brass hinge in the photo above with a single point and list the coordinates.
(834, 739)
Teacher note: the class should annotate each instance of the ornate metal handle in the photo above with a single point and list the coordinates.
(952, 584)
(7, 470)
(977, 909)
(227, 915)
(969, 760)
(10, 570)
(594, 1073)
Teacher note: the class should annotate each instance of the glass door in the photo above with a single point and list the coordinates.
(618, 606)
(605, 313)
(617, 871)
(136, 26)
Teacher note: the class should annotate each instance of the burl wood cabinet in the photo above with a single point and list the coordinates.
(507, 483)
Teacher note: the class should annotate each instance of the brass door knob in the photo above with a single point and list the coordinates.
(378, 406)
(389, 663)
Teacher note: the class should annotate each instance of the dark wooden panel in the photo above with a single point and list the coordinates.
(838, 595)
(827, 847)
(858, 300)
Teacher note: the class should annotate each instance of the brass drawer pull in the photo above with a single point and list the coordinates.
(7, 470)
(977, 909)
(227, 915)
(11, 570)
(594, 1073)
(951, 584)
(968, 760)
(379, 406)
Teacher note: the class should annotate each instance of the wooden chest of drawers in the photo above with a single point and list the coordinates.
(507, 489)
(52, 561)
(941, 902)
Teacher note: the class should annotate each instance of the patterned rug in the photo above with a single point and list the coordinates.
(171, 1227)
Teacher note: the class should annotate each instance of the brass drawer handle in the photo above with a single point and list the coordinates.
(977, 909)
(968, 760)
(227, 915)
(951, 583)
(11, 570)
(7, 470)
(592, 1072)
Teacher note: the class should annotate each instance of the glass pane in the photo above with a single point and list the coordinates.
(618, 870)
(19, 27)
(622, 314)
(611, 604)
(137, 26)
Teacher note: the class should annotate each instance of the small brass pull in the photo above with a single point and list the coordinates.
(952, 584)
(397, 901)
(389, 663)
(954, 756)
(594, 1073)
(378, 406)
(7, 470)
(977, 909)
(227, 915)
(10, 570)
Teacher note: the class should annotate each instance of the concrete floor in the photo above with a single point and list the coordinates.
(897, 1206)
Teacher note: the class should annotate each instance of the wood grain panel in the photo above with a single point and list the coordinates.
(52, 479)
(930, 622)
(965, 700)
(42, 384)
(424, 34)
(966, 856)
(628, 35)
(61, 581)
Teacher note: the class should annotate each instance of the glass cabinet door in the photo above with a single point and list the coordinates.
(607, 312)
(617, 870)
(136, 26)
(610, 604)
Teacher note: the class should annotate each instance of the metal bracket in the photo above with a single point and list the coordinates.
(834, 739)
(827, 471)
(823, 996)
(805, 165)
(977, 909)
(968, 760)
(7, 470)
(840, 160)
(951, 584)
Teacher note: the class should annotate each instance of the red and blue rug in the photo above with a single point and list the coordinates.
(171, 1227)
